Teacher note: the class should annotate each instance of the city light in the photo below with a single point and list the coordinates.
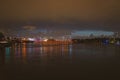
(45, 40)
(31, 39)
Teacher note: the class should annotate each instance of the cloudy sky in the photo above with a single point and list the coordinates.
(60, 14)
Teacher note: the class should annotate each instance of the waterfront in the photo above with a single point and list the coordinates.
(59, 62)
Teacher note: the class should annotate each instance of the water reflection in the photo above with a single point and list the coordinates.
(26, 53)
(2, 56)
(26, 61)
(7, 54)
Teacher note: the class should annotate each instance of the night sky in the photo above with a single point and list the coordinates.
(68, 15)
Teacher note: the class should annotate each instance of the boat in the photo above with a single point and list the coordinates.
(5, 43)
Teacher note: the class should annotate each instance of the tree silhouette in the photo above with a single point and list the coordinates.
(1, 36)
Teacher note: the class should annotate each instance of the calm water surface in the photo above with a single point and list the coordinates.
(32, 62)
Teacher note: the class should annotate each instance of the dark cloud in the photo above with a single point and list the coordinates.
(29, 28)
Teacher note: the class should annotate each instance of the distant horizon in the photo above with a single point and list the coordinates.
(45, 33)
(93, 32)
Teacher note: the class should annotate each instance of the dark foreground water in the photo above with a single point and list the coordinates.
(28, 62)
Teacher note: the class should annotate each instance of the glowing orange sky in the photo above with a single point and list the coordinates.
(59, 9)
(60, 14)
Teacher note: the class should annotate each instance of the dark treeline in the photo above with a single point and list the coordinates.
(96, 40)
